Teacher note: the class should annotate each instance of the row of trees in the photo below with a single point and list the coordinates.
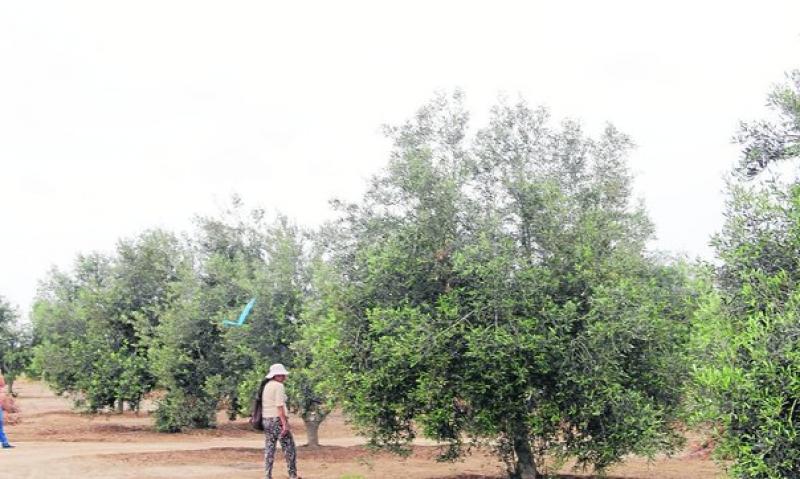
(118, 327)
(491, 287)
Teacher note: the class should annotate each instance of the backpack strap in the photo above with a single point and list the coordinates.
(261, 389)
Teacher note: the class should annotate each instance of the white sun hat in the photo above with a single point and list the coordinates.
(277, 369)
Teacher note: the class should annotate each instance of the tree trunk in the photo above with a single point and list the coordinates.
(121, 406)
(312, 431)
(233, 408)
(526, 467)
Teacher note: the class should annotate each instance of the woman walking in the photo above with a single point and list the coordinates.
(276, 424)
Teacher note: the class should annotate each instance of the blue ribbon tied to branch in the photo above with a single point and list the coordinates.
(242, 316)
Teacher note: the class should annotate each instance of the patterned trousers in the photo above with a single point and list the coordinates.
(272, 433)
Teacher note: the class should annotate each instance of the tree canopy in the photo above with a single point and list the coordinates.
(747, 338)
(498, 289)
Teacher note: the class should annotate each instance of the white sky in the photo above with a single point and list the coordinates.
(119, 116)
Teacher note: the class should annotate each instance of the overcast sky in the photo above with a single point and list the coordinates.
(119, 116)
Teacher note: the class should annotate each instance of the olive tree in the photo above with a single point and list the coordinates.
(498, 291)
(747, 334)
(298, 293)
(93, 325)
(15, 341)
(201, 363)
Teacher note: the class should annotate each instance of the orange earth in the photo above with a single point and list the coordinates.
(53, 442)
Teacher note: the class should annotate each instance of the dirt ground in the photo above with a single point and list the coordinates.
(55, 442)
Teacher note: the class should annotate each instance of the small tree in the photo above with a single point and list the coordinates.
(14, 344)
(303, 289)
(313, 388)
(186, 356)
(237, 257)
(100, 319)
(65, 332)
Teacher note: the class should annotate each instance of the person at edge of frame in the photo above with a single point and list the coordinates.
(6, 405)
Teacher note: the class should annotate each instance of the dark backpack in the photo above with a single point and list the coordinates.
(256, 420)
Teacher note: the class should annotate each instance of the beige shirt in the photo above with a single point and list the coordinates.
(273, 396)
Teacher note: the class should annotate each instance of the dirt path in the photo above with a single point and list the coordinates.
(79, 459)
(55, 442)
